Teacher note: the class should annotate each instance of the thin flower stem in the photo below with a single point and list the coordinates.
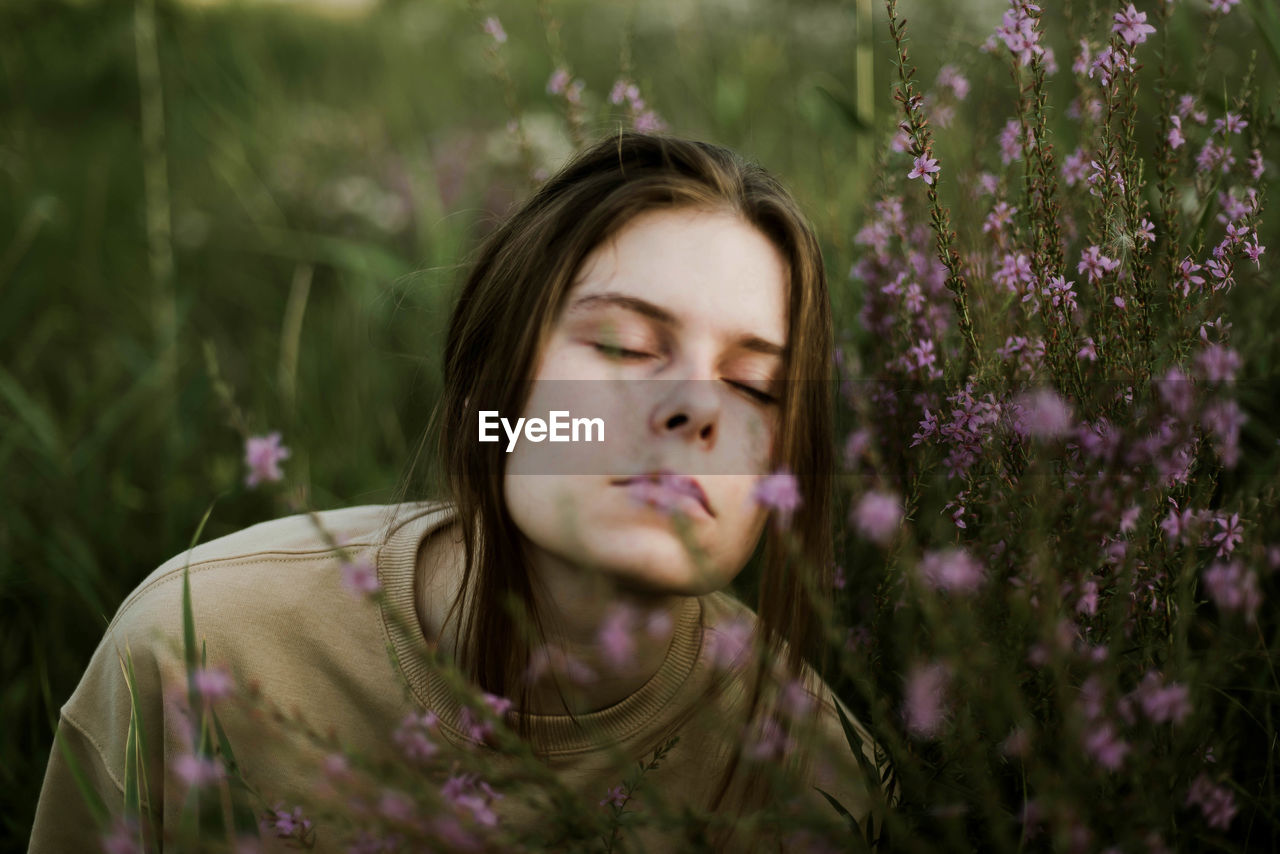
(940, 217)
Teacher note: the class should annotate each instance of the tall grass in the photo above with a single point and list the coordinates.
(295, 193)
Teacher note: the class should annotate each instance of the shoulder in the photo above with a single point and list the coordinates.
(268, 605)
(279, 564)
(265, 584)
(292, 538)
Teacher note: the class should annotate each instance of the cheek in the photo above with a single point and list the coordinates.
(543, 507)
(751, 432)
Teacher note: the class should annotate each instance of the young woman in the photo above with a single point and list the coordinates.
(669, 299)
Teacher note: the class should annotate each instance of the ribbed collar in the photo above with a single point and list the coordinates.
(551, 734)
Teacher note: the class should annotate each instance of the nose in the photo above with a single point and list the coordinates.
(688, 408)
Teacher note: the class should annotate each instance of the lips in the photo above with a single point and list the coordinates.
(665, 489)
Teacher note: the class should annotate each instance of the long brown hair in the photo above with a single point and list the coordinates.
(512, 296)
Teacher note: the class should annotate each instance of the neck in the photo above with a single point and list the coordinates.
(619, 634)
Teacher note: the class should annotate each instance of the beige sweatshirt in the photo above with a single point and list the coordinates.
(270, 606)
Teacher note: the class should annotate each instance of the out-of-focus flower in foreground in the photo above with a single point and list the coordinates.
(924, 700)
(780, 492)
(262, 454)
(359, 577)
(493, 27)
(877, 516)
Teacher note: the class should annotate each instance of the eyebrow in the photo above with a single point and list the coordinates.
(748, 342)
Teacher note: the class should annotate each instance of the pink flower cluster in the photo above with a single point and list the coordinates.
(1020, 32)
(263, 454)
(643, 119)
(924, 702)
(1217, 803)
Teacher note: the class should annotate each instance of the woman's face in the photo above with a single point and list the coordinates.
(678, 323)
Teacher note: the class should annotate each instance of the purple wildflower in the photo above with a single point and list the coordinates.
(769, 743)
(359, 577)
(616, 636)
(648, 122)
(1018, 31)
(1000, 216)
(1043, 414)
(1213, 155)
(1132, 26)
(197, 771)
(1254, 251)
(1011, 141)
(1230, 123)
(1223, 420)
(662, 492)
(1109, 62)
(1088, 601)
(1084, 58)
(780, 492)
(1216, 802)
(796, 701)
(1105, 746)
(262, 454)
(1223, 6)
(493, 27)
(1256, 166)
(950, 77)
(213, 683)
(1061, 294)
(1176, 392)
(559, 81)
(1076, 167)
(122, 837)
(877, 516)
(1187, 270)
(924, 698)
(951, 569)
(1096, 265)
(1233, 588)
(468, 792)
(476, 727)
(1175, 137)
(729, 642)
(553, 658)
(414, 735)
(1218, 363)
(1163, 702)
(924, 167)
(616, 797)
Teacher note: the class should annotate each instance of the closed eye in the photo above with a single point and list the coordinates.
(754, 393)
(620, 353)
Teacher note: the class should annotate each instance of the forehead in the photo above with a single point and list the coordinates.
(708, 269)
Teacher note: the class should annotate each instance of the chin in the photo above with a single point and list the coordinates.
(653, 560)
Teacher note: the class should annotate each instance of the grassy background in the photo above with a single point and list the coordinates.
(341, 164)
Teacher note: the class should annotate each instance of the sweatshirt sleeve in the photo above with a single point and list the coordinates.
(94, 727)
(64, 820)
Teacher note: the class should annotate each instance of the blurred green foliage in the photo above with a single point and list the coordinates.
(342, 164)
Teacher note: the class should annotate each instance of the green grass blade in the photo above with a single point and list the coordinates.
(37, 421)
(855, 744)
(115, 416)
(1266, 20)
(242, 814)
